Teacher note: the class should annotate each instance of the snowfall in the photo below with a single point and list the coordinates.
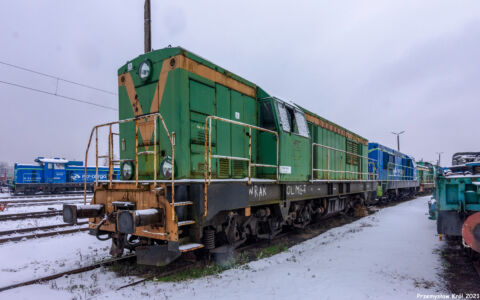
(391, 254)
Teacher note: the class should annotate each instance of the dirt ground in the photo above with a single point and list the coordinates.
(459, 271)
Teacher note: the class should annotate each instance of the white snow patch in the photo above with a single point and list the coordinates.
(389, 255)
(40, 257)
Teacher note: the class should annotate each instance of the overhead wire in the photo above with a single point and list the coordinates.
(56, 90)
(58, 78)
(58, 95)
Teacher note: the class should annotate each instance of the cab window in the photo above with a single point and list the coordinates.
(292, 120)
(267, 119)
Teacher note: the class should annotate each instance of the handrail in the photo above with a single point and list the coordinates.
(110, 152)
(208, 162)
(369, 174)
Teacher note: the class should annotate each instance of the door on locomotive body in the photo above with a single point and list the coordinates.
(267, 144)
(48, 171)
(412, 170)
(59, 173)
(295, 143)
(229, 140)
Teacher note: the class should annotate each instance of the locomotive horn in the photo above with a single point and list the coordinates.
(72, 212)
(129, 220)
(471, 231)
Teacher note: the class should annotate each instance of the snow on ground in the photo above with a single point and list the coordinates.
(33, 208)
(28, 223)
(389, 255)
(41, 197)
(35, 258)
(43, 231)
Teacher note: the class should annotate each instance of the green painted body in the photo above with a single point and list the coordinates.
(188, 98)
(425, 177)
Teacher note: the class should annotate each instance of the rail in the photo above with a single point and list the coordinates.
(208, 151)
(112, 161)
(350, 172)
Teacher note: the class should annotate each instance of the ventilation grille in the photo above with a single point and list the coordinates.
(239, 168)
(201, 136)
(224, 167)
(351, 147)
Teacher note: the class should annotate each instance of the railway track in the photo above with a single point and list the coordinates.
(70, 272)
(39, 235)
(30, 215)
(41, 202)
(44, 196)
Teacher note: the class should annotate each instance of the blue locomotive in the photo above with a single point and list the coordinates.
(457, 199)
(396, 172)
(55, 175)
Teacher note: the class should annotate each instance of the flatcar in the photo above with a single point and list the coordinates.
(55, 175)
(457, 199)
(210, 160)
(397, 172)
(425, 175)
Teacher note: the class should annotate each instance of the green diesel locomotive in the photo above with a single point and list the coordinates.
(210, 160)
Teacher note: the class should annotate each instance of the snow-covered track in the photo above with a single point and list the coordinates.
(30, 215)
(39, 235)
(33, 229)
(42, 202)
(44, 196)
(70, 272)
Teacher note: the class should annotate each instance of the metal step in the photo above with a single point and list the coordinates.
(183, 203)
(186, 222)
(190, 247)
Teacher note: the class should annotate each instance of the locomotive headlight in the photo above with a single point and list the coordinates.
(127, 171)
(144, 70)
(166, 167)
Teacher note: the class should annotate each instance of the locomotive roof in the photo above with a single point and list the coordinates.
(162, 54)
(359, 137)
(51, 160)
(375, 145)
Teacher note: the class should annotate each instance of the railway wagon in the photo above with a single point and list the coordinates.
(55, 175)
(457, 196)
(397, 174)
(210, 160)
(425, 176)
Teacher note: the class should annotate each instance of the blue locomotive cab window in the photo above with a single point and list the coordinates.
(59, 166)
(49, 166)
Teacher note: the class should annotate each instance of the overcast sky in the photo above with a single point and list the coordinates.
(370, 66)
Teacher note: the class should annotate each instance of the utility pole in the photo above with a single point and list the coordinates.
(439, 156)
(398, 138)
(148, 27)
